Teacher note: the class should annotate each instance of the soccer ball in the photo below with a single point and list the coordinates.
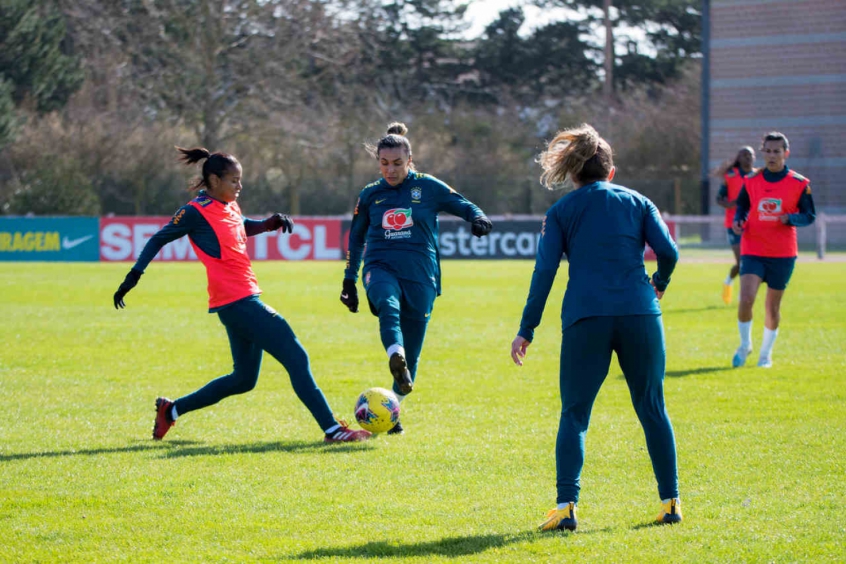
(377, 410)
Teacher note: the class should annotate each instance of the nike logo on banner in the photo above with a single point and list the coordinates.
(68, 244)
(380, 201)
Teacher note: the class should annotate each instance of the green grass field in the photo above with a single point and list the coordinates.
(762, 453)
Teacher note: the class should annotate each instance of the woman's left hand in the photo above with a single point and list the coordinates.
(518, 349)
(279, 221)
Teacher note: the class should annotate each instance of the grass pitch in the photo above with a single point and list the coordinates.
(761, 452)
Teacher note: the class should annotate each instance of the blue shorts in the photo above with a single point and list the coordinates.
(733, 238)
(774, 271)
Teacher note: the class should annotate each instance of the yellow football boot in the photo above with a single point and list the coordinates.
(557, 519)
(670, 512)
(727, 291)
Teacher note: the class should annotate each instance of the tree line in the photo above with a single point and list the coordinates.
(94, 94)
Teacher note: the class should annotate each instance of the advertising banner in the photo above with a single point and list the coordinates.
(314, 238)
(48, 238)
(510, 239)
(123, 239)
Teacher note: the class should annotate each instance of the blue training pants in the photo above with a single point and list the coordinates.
(253, 327)
(404, 308)
(586, 348)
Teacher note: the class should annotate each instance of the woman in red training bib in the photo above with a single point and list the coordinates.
(733, 176)
(218, 232)
(771, 205)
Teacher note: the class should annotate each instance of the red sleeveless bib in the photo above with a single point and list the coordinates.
(734, 182)
(764, 235)
(231, 277)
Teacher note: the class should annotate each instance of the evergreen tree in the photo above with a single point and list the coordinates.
(553, 61)
(34, 56)
(8, 116)
(673, 31)
(36, 73)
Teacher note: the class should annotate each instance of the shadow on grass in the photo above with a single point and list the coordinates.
(689, 372)
(652, 524)
(693, 371)
(141, 447)
(173, 449)
(451, 546)
(267, 446)
(671, 311)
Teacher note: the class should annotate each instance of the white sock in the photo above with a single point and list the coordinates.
(728, 280)
(173, 414)
(396, 348)
(332, 429)
(769, 340)
(400, 397)
(745, 328)
(562, 506)
(668, 500)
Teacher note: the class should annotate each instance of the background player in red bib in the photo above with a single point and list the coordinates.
(733, 175)
(771, 205)
(218, 232)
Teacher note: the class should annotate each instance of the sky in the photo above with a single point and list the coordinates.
(483, 12)
(480, 13)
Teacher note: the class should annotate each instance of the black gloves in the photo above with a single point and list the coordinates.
(349, 296)
(128, 283)
(279, 221)
(660, 285)
(481, 226)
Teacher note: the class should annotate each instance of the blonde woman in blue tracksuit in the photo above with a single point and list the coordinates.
(611, 305)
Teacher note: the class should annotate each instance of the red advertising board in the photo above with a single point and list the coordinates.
(123, 239)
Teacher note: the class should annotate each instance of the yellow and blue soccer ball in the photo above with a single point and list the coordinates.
(377, 410)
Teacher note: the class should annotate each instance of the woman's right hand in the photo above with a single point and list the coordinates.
(658, 293)
(128, 283)
(518, 349)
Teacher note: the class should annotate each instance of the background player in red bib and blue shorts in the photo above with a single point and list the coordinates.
(771, 205)
(218, 232)
(397, 219)
(611, 305)
(733, 176)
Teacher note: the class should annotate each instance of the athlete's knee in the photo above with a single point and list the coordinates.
(773, 309)
(746, 302)
(650, 410)
(576, 417)
(243, 381)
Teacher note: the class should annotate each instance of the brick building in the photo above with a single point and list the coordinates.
(781, 65)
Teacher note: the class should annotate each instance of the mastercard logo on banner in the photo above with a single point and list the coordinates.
(396, 219)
